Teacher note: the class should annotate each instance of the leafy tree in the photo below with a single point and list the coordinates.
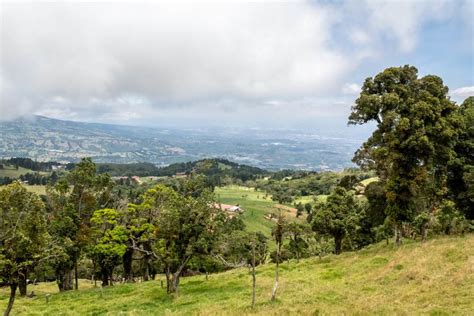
(299, 209)
(281, 196)
(186, 225)
(23, 236)
(298, 246)
(450, 220)
(308, 208)
(73, 200)
(337, 217)
(414, 139)
(461, 168)
(109, 242)
(142, 221)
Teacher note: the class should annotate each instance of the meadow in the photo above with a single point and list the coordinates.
(256, 205)
(435, 278)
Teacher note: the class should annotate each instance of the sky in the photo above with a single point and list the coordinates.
(285, 64)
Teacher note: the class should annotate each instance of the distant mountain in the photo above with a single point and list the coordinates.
(47, 139)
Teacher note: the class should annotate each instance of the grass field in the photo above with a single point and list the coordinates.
(365, 182)
(12, 172)
(254, 203)
(432, 278)
(38, 189)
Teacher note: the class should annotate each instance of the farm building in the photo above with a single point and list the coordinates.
(229, 208)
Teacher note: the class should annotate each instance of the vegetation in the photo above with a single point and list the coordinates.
(361, 282)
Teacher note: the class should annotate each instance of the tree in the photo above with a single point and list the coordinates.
(278, 234)
(299, 209)
(109, 242)
(414, 139)
(186, 225)
(296, 232)
(308, 208)
(72, 200)
(23, 236)
(337, 217)
(461, 168)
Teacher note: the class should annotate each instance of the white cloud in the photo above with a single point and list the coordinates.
(134, 60)
(460, 94)
(372, 22)
(351, 89)
(166, 53)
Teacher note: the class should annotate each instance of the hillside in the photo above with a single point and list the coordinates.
(435, 278)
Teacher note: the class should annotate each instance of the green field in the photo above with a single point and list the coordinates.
(12, 172)
(310, 199)
(254, 203)
(365, 182)
(38, 189)
(433, 278)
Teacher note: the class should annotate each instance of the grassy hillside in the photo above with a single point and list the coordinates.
(12, 172)
(435, 278)
(256, 205)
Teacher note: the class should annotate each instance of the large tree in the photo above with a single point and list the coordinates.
(23, 236)
(461, 168)
(338, 217)
(413, 140)
(186, 223)
(108, 242)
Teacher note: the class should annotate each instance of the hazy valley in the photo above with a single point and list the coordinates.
(48, 139)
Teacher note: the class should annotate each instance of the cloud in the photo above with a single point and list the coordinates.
(460, 94)
(166, 53)
(351, 89)
(131, 60)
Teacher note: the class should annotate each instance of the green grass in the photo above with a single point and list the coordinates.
(432, 278)
(311, 199)
(38, 189)
(365, 182)
(12, 172)
(254, 203)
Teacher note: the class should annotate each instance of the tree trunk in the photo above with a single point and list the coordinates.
(64, 279)
(76, 277)
(254, 280)
(398, 236)
(13, 287)
(127, 264)
(275, 286)
(168, 279)
(105, 276)
(22, 286)
(338, 244)
(146, 270)
(172, 279)
(424, 232)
